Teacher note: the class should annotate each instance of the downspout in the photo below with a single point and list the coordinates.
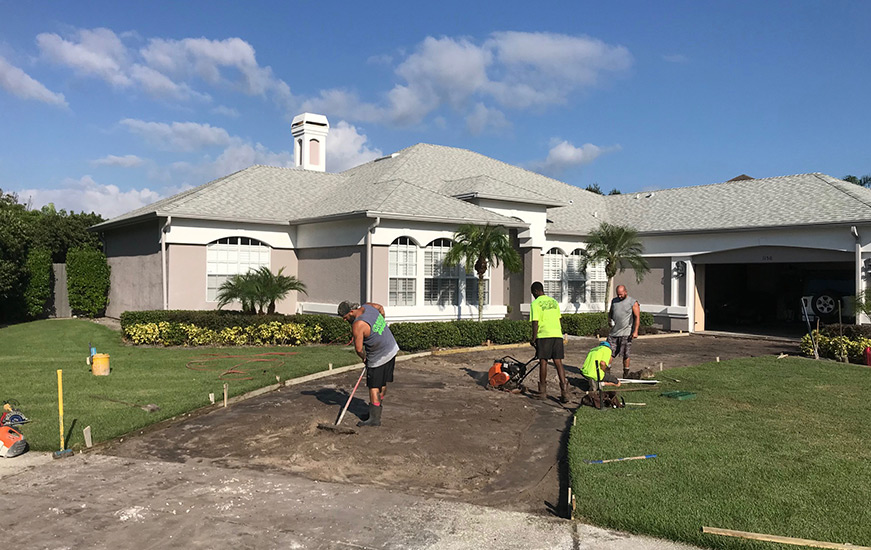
(163, 267)
(369, 258)
(859, 289)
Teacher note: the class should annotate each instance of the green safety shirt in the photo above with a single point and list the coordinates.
(545, 310)
(602, 354)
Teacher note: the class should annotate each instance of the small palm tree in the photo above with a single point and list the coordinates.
(616, 246)
(258, 290)
(238, 288)
(274, 287)
(480, 247)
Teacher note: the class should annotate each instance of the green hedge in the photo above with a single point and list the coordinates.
(410, 336)
(840, 348)
(333, 330)
(87, 281)
(38, 291)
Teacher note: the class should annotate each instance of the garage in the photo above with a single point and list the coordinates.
(750, 291)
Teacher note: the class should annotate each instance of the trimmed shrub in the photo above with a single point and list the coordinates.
(165, 333)
(840, 348)
(87, 281)
(39, 275)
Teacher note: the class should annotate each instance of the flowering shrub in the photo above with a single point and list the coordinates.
(166, 333)
(840, 348)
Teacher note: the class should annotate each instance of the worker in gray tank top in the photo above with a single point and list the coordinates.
(375, 345)
(625, 318)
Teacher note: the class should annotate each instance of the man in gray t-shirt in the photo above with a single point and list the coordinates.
(625, 318)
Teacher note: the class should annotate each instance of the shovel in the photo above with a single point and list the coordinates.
(341, 429)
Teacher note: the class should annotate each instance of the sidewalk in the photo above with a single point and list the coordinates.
(103, 502)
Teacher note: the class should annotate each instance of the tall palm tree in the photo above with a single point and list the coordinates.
(480, 247)
(616, 246)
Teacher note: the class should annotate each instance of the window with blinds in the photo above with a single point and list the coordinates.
(402, 272)
(576, 277)
(232, 256)
(553, 274)
(441, 283)
(598, 281)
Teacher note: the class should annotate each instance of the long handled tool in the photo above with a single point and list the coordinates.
(335, 427)
(63, 452)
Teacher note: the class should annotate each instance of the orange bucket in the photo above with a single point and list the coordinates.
(100, 364)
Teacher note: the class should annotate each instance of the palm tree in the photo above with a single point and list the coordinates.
(258, 290)
(616, 246)
(274, 287)
(480, 247)
(238, 288)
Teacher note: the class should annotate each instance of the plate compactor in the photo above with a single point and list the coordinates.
(508, 374)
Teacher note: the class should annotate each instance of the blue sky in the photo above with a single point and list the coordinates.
(108, 106)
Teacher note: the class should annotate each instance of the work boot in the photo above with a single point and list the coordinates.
(374, 416)
(542, 391)
(563, 393)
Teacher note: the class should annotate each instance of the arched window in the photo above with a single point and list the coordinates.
(402, 272)
(576, 277)
(553, 274)
(232, 256)
(441, 283)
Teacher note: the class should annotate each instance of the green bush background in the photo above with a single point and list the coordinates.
(87, 281)
(38, 290)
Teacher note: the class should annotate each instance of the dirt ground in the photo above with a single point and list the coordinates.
(444, 434)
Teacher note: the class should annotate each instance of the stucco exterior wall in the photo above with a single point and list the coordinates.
(380, 274)
(282, 257)
(654, 289)
(332, 274)
(187, 277)
(133, 254)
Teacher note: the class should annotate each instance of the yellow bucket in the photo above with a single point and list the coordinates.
(100, 364)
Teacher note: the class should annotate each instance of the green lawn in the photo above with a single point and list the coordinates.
(770, 446)
(31, 353)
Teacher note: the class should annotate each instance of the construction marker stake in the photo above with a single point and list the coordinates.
(225, 393)
(60, 406)
(642, 457)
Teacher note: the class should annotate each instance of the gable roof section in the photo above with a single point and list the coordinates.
(798, 200)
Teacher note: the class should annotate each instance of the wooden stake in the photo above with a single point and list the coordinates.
(660, 366)
(574, 421)
(330, 366)
(212, 398)
(718, 359)
(87, 434)
(570, 502)
(782, 540)
(225, 393)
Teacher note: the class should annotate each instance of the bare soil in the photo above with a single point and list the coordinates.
(444, 432)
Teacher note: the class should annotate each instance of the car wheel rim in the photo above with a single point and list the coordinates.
(825, 304)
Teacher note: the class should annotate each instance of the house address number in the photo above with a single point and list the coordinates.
(767, 258)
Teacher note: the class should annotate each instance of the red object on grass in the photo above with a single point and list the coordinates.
(868, 356)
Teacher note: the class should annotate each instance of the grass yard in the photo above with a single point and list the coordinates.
(770, 446)
(31, 353)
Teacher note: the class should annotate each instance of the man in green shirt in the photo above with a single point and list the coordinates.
(547, 338)
(594, 367)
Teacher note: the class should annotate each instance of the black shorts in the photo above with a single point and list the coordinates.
(380, 375)
(550, 348)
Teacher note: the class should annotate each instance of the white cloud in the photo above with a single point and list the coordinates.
(87, 195)
(563, 155)
(157, 84)
(19, 83)
(347, 147)
(482, 119)
(97, 52)
(185, 136)
(511, 69)
(226, 111)
(242, 155)
(127, 161)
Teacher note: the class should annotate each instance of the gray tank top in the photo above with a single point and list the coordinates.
(380, 345)
(621, 314)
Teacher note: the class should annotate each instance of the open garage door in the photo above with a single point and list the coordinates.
(766, 296)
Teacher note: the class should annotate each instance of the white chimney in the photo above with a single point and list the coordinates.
(310, 141)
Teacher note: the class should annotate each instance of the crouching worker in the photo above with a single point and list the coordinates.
(595, 365)
(375, 345)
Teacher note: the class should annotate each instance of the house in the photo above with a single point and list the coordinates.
(739, 252)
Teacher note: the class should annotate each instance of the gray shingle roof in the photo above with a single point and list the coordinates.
(420, 182)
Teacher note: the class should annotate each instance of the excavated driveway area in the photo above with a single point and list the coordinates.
(444, 434)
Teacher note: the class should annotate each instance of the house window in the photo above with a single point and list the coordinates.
(598, 281)
(441, 283)
(553, 274)
(232, 256)
(576, 277)
(472, 288)
(402, 272)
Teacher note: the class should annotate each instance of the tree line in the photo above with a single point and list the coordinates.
(30, 241)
